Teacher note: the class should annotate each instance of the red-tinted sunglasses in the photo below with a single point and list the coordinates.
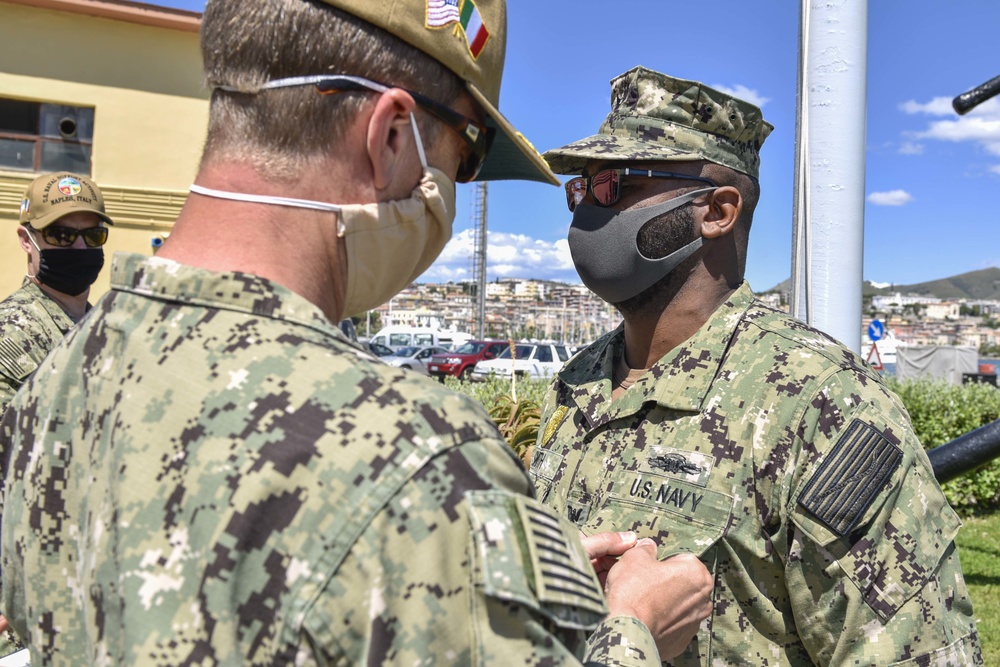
(606, 185)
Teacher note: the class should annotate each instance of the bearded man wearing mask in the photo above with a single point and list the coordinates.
(722, 427)
(208, 471)
(62, 232)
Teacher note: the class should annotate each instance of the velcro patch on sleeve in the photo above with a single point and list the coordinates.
(563, 573)
(526, 553)
(15, 363)
(851, 477)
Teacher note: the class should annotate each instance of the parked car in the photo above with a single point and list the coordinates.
(380, 350)
(531, 360)
(414, 357)
(464, 358)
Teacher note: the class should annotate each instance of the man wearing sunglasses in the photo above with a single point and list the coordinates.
(207, 471)
(62, 230)
(722, 427)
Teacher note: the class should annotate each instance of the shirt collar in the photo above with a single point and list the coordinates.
(242, 292)
(63, 320)
(680, 380)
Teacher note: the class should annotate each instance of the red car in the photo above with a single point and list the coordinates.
(462, 360)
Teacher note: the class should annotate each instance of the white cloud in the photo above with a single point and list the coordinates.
(507, 255)
(964, 129)
(890, 198)
(980, 126)
(746, 94)
(939, 106)
(995, 169)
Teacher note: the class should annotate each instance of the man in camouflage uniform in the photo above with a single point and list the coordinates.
(62, 265)
(719, 426)
(207, 471)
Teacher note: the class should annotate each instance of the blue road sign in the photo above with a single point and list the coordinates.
(876, 330)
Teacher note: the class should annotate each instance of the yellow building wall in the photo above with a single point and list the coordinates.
(151, 111)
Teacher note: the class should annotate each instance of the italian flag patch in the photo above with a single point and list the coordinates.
(475, 30)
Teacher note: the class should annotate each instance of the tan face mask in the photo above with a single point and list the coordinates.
(389, 244)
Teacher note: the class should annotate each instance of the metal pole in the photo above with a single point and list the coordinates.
(828, 236)
(966, 452)
(479, 253)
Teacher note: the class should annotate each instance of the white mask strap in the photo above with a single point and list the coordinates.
(313, 80)
(31, 237)
(309, 81)
(420, 142)
(265, 199)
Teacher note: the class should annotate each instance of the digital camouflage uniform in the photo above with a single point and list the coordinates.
(783, 461)
(224, 479)
(31, 323)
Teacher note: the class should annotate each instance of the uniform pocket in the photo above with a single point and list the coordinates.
(877, 510)
(682, 517)
(545, 465)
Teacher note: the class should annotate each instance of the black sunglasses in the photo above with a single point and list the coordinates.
(606, 185)
(475, 134)
(64, 237)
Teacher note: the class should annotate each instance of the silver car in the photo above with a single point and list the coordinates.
(414, 357)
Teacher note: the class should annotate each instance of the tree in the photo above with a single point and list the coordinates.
(361, 321)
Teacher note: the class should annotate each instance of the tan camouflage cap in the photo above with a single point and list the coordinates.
(469, 37)
(51, 196)
(659, 118)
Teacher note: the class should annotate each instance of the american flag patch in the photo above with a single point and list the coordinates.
(442, 12)
(851, 477)
(563, 574)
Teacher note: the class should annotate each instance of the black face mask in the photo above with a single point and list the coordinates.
(70, 271)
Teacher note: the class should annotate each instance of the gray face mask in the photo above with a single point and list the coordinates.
(603, 244)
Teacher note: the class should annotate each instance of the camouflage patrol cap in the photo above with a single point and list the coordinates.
(469, 37)
(51, 196)
(659, 118)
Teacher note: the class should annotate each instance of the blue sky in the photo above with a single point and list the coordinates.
(929, 176)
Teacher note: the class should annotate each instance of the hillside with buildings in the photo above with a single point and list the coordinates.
(960, 310)
(515, 308)
(982, 284)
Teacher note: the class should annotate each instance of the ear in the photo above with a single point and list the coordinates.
(725, 205)
(22, 238)
(390, 136)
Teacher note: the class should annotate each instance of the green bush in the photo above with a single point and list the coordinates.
(941, 412)
(490, 390)
(513, 407)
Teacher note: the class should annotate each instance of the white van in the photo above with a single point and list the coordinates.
(395, 337)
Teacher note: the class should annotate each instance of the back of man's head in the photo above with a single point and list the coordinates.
(440, 49)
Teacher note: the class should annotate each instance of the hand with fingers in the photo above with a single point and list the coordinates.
(672, 597)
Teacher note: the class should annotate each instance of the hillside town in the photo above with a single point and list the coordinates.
(525, 309)
(516, 308)
(929, 320)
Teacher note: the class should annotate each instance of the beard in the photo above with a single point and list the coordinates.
(658, 238)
